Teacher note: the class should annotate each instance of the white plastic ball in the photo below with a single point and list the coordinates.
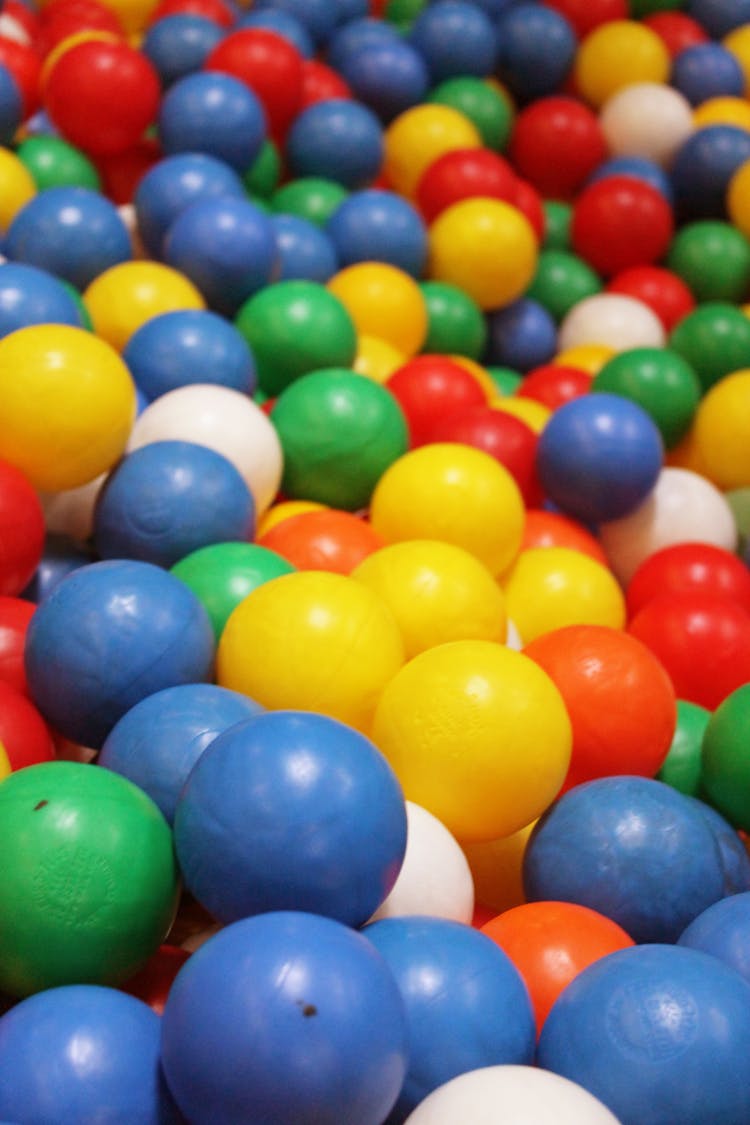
(511, 1095)
(647, 120)
(618, 322)
(682, 507)
(224, 420)
(71, 512)
(435, 878)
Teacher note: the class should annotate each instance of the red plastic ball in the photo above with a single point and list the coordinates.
(430, 388)
(687, 567)
(214, 10)
(25, 64)
(585, 15)
(506, 438)
(63, 18)
(21, 530)
(557, 143)
(529, 202)
(461, 174)
(269, 65)
(551, 529)
(321, 83)
(102, 96)
(664, 292)
(153, 982)
(23, 731)
(121, 172)
(703, 641)
(15, 615)
(677, 31)
(554, 384)
(325, 539)
(619, 222)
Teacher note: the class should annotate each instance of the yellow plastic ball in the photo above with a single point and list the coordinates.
(616, 54)
(125, 296)
(284, 510)
(486, 247)
(376, 358)
(4, 763)
(383, 301)
(311, 641)
(534, 414)
(550, 587)
(453, 493)
(437, 592)
(722, 431)
(737, 42)
(17, 187)
(723, 111)
(738, 198)
(67, 404)
(418, 136)
(477, 734)
(497, 869)
(586, 357)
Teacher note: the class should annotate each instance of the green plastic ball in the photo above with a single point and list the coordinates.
(309, 197)
(339, 433)
(53, 162)
(557, 219)
(486, 105)
(223, 574)
(455, 323)
(682, 766)
(505, 379)
(562, 280)
(263, 175)
(726, 761)
(714, 339)
(660, 381)
(295, 327)
(88, 880)
(713, 259)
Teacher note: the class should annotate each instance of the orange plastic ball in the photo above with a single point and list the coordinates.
(324, 539)
(552, 529)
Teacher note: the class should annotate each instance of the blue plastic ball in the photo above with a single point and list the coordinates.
(285, 1017)
(633, 849)
(318, 16)
(172, 185)
(522, 335)
(640, 169)
(305, 252)
(109, 635)
(61, 557)
(157, 743)
(702, 168)
(705, 71)
(719, 17)
(179, 45)
(291, 811)
(338, 139)
(353, 36)
(723, 931)
(84, 1054)
(11, 106)
(170, 498)
(226, 247)
(735, 861)
(455, 1024)
(348, 10)
(389, 77)
(283, 23)
(72, 232)
(380, 226)
(536, 49)
(455, 38)
(215, 114)
(189, 346)
(599, 456)
(29, 295)
(660, 1034)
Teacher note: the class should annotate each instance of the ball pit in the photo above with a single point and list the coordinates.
(446, 308)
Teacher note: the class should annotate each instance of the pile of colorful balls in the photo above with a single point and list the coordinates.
(374, 565)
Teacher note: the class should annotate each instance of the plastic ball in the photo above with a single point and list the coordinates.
(304, 252)
(355, 35)
(427, 388)
(329, 645)
(179, 45)
(380, 226)
(658, 1004)
(120, 1036)
(707, 70)
(267, 64)
(683, 506)
(487, 105)
(618, 54)
(325, 1043)
(551, 529)
(464, 173)
(325, 539)
(451, 1031)
(214, 114)
(24, 734)
(437, 593)
(660, 289)
(456, 39)
(318, 17)
(127, 878)
(721, 931)
(174, 184)
(418, 136)
(52, 162)
(31, 296)
(713, 258)
(562, 279)
(658, 380)
(164, 639)
(550, 943)
(724, 773)
(721, 429)
(620, 700)
(687, 567)
(682, 766)
(494, 697)
(455, 324)
(293, 328)
(703, 167)
(507, 438)
(435, 878)
(613, 320)
(314, 198)
(553, 384)
(455, 494)
(648, 120)
(485, 247)
(282, 23)
(489, 1095)
(715, 341)
(619, 222)
(21, 529)
(384, 301)
(125, 296)
(388, 76)
(523, 335)
(238, 818)
(337, 138)
(556, 144)
(537, 46)
(226, 247)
